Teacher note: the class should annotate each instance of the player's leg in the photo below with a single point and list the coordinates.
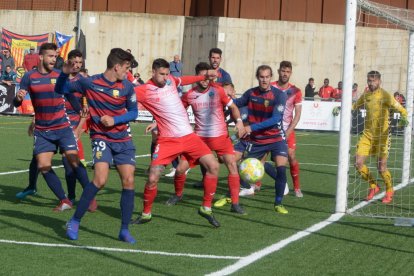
(294, 164)
(70, 178)
(385, 174)
(233, 180)
(33, 174)
(365, 147)
(241, 150)
(279, 156)
(179, 182)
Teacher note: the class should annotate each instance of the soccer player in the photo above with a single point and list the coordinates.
(266, 105)
(112, 104)
(176, 137)
(52, 127)
(207, 101)
(291, 117)
(375, 139)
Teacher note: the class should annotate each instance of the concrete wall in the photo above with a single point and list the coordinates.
(314, 49)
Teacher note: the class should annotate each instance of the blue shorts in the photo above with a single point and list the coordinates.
(50, 140)
(116, 153)
(251, 150)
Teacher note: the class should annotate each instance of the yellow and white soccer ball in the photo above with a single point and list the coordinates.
(251, 170)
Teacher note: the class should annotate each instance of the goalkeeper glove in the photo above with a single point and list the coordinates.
(336, 110)
(403, 121)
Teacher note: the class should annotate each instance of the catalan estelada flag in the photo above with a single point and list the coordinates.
(65, 43)
(19, 44)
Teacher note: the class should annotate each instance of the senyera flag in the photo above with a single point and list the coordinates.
(65, 43)
(20, 44)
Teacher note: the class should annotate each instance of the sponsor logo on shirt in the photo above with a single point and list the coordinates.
(211, 94)
(266, 103)
(98, 154)
(168, 82)
(280, 108)
(53, 81)
(115, 93)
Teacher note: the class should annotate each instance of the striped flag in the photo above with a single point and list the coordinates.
(65, 43)
(18, 44)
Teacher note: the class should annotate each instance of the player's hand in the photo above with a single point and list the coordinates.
(107, 121)
(211, 74)
(21, 94)
(68, 67)
(403, 121)
(248, 130)
(228, 88)
(241, 131)
(150, 127)
(288, 132)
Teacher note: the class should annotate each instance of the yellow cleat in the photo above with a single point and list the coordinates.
(281, 209)
(221, 202)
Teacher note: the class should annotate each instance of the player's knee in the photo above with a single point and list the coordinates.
(44, 168)
(232, 167)
(99, 181)
(213, 167)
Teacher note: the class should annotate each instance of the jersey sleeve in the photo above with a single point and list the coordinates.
(277, 114)
(224, 98)
(185, 80)
(65, 86)
(131, 106)
(184, 99)
(140, 93)
(243, 100)
(25, 82)
(298, 97)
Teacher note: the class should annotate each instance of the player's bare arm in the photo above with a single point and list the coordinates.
(295, 121)
(150, 127)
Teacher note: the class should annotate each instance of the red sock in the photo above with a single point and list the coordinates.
(210, 185)
(294, 172)
(149, 196)
(179, 181)
(258, 183)
(234, 187)
(80, 150)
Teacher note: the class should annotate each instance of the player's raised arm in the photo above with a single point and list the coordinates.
(64, 86)
(185, 80)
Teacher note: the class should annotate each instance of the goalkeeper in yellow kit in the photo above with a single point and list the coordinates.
(375, 139)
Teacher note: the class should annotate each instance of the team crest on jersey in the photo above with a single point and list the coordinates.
(154, 156)
(53, 81)
(98, 154)
(266, 103)
(115, 93)
(211, 94)
(280, 108)
(168, 82)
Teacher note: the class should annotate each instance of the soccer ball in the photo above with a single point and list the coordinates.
(251, 170)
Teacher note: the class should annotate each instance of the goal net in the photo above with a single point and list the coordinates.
(382, 43)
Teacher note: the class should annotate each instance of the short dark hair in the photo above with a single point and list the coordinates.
(311, 79)
(285, 64)
(201, 67)
(8, 66)
(262, 68)
(374, 74)
(215, 51)
(118, 56)
(326, 80)
(74, 53)
(160, 63)
(47, 46)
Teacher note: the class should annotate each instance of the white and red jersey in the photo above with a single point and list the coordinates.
(165, 105)
(294, 97)
(208, 110)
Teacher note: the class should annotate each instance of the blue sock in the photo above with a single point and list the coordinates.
(70, 178)
(89, 192)
(270, 170)
(244, 184)
(175, 162)
(33, 174)
(54, 184)
(280, 184)
(127, 207)
(81, 175)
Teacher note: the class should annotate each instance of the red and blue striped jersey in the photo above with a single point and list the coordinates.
(71, 109)
(106, 98)
(223, 77)
(265, 114)
(49, 106)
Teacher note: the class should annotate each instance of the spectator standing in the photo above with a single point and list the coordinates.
(310, 89)
(337, 93)
(325, 92)
(30, 60)
(6, 59)
(176, 67)
(355, 92)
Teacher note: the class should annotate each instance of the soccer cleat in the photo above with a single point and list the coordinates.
(236, 208)
(372, 192)
(199, 185)
(281, 209)
(25, 192)
(298, 193)
(246, 192)
(125, 236)
(173, 200)
(84, 163)
(209, 216)
(286, 189)
(64, 204)
(72, 229)
(388, 197)
(93, 205)
(143, 218)
(257, 187)
(222, 201)
(171, 173)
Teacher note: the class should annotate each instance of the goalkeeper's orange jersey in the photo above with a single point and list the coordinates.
(378, 105)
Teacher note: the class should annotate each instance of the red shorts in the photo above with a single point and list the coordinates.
(291, 140)
(168, 148)
(221, 145)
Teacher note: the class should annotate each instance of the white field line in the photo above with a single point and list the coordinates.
(255, 256)
(61, 166)
(123, 250)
